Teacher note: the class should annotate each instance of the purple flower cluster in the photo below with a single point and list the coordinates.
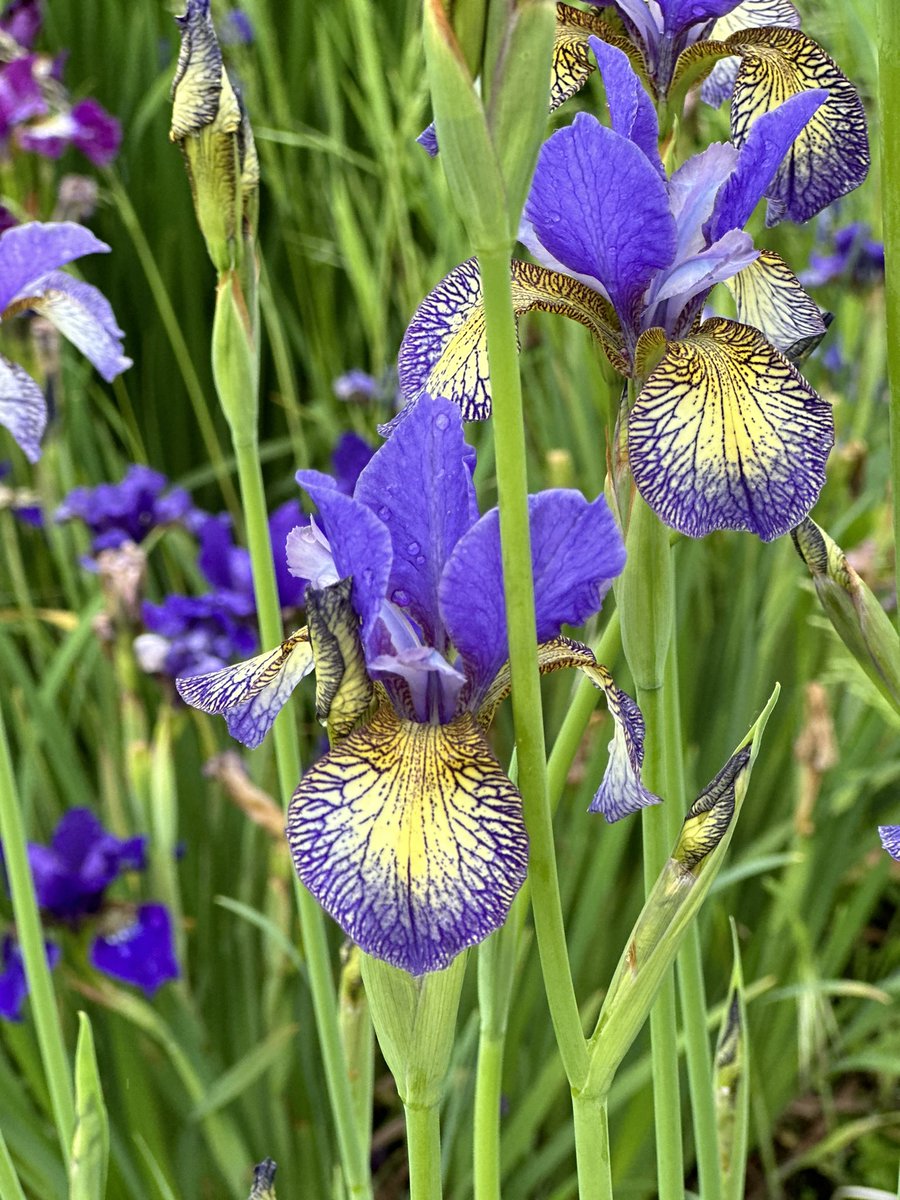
(35, 113)
(850, 255)
(129, 510)
(132, 943)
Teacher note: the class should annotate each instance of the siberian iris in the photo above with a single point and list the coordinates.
(751, 51)
(408, 830)
(724, 433)
(30, 279)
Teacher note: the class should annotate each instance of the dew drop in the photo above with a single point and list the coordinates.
(420, 560)
(400, 597)
(368, 575)
(442, 421)
(384, 512)
(412, 548)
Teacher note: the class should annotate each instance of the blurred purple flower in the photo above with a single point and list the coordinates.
(13, 984)
(87, 126)
(140, 950)
(852, 256)
(21, 97)
(189, 635)
(30, 256)
(22, 20)
(236, 28)
(227, 566)
(357, 387)
(350, 456)
(127, 511)
(285, 518)
(82, 860)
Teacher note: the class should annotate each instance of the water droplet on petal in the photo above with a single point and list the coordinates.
(412, 548)
(420, 560)
(384, 513)
(368, 575)
(442, 421)
(400, 597)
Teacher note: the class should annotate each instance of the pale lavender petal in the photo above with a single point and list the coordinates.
(309, 555)
(27, 252)
(420, 486)
(576, 551)
(85, 316)
(698, 273)
(23, 409)
(692, 194)
(599, 207)
(434, 685)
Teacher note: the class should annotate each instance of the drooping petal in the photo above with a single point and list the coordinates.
(726, 434)
(412, 837)
(769, 296)
(419, 485)
(141, 951)
(761, 155)
(602, 210)
(23, 409)
(251, 694)
(630, 108)
(84, 315)
(360, 545)
(890, 839)
(30, 251)
(444, 350)
(830, 157)
(576, 551)
(343, 688)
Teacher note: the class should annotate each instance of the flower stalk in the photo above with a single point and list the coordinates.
(889, 83)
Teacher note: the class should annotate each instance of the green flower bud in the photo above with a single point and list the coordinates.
(209, 125)
(859, 620)
(234, 357)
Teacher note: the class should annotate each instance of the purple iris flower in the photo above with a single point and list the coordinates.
(854, 257)
(82, 860)
(190, 635)
(13, 984)
(30, 256)
(129, 510)
(21, 96)
(351, 456)
(356, 386)
(407, 830)
(86, 125)
(71, 877)
(236, 28)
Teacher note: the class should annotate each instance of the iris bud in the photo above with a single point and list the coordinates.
(858, 618)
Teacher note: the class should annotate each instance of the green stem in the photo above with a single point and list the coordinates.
(423, 1144)
(31, 940)
(592, 1148)
(10, 1187)
(488, 1082)
(889, 89)
(287, 756)
(515, 539)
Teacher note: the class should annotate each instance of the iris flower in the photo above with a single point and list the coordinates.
(408, 831)
(30, 280)
(129, 510)
(890, 839)
(751, 51)
(724, 433)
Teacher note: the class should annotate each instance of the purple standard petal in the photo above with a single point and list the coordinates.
(761, 155)
(599, 207)
(412, 837)
(679, 15)
(890, 839)
(630, 108)
(420, 487)
(360, 545)
(23, 409)
(576, 551)
(30, 251)
(141, 951)
(85, 316)
(13, 984)
(692, 194)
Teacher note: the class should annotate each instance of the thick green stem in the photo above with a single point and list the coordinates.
(30, 934)
(287, 755)
(889, 90)
(488, 1082)
(423, 1144)
(592, 1148)
(512, 486)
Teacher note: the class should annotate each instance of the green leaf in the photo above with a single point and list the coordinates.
(89, 1160)
(731, 1085)
(245, 1072)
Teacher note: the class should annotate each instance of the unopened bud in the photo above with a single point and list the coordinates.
(208, 124)
(264, 1181)
(858, 619)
